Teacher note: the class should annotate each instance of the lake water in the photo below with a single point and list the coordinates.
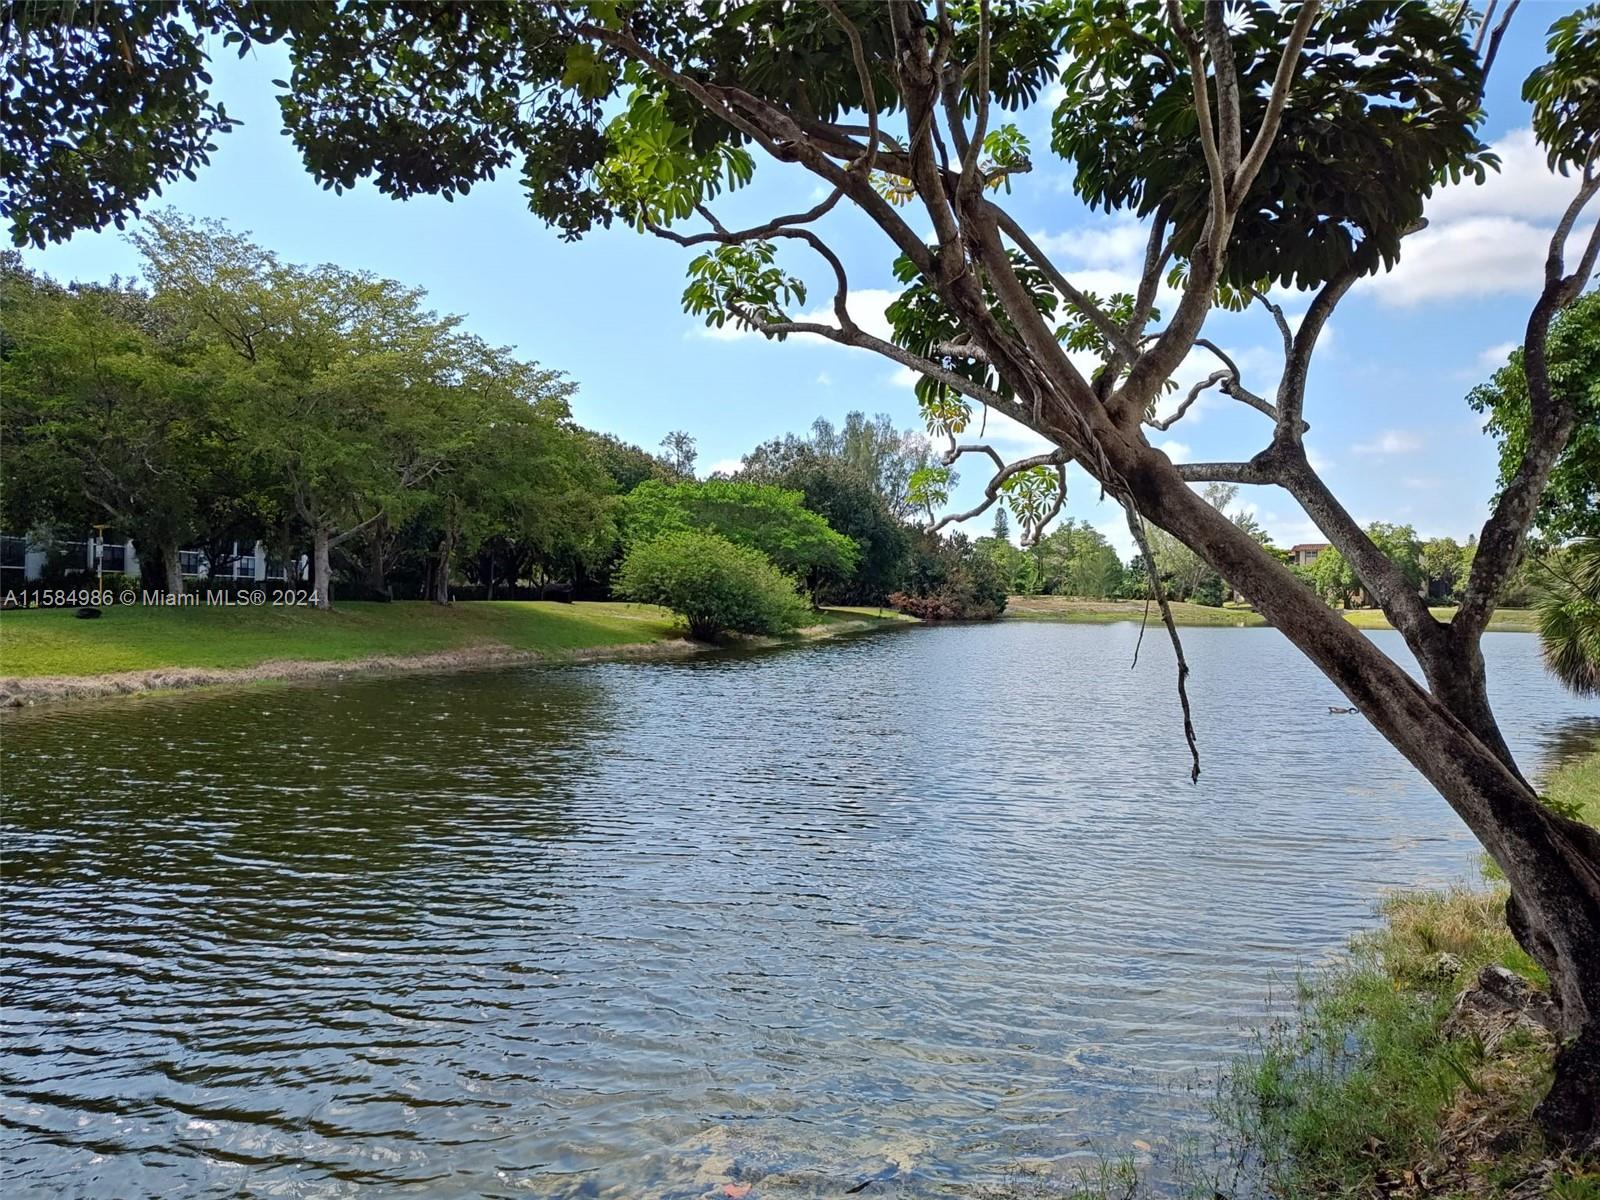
(919, 910)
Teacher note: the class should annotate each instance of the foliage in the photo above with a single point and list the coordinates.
(1570, 506)
(715, 585)
(950, 579)
(1334, 578)
(847, 499)
(1384, 107)
(1568, 609)
(1400, 544)
(771, 520)
(1441, 563)
(104, 104)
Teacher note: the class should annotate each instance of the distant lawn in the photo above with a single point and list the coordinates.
(135, 638)
(1505, 620)
(1105, 612)
(1093, 612)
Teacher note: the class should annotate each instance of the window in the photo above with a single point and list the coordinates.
(191, 562)
(13, 551)
(113, 557)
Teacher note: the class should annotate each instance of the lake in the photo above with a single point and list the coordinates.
(918, 912)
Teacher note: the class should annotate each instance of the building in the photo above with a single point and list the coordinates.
(24, 557)
(1306, 553)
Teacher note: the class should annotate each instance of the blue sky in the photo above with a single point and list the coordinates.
(1390, 426)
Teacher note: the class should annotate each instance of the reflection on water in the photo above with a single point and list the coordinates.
(909, 908)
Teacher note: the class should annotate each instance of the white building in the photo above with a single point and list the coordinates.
(29, 555)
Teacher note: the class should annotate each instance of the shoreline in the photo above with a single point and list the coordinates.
(18, 692)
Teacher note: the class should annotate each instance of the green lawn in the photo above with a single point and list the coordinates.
(54, 642)
(39, 642)
(1104, 612)
(1064, 608)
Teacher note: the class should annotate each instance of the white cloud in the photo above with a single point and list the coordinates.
(1476, 256)
(904, 377)
(824, 380)
(1175, 450)
(1319, 463)
(1110, 242)
(1496, 356)
(1483, 240)
(725, 466)
(1523, 187)
(1390, 441)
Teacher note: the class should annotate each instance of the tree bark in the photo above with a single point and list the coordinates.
(441, 578)
(321, 570)
(1551, 863)
(172, 565)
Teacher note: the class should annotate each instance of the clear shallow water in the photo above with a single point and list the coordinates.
(920, 905)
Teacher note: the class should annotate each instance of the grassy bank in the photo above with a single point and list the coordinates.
(51, 642)
(134, 638)
(1373, 1086)
(1101, 612)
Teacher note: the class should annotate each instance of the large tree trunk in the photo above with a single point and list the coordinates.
(172, 566)
(441, 578)
(321, 569)
(1551, 863)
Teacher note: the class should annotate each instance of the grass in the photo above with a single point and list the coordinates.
(1363, 1089)
(1098, 612)
(1505, 620)
(1105, 612)
(133, 638)
(39, 642)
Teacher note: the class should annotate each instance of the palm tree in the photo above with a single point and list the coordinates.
(1569, 616)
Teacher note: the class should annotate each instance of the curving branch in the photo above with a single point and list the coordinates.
(1210, 380)
(1055, 458)
(1551, 420)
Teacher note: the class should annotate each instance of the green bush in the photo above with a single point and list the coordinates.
(713, 584)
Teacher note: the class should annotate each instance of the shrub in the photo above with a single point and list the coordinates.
(713, 584)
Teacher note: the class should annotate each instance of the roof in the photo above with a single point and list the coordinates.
(1309, 546)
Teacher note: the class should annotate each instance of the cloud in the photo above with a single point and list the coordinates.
(1496, 356)
(1524, 186)
(725, 466)
(1110, 242)
(824, 380)
(1390, 441)
(1319, 463)
(1483, 240)
(1175, 450)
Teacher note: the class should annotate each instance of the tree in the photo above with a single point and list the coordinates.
(714, 585)
(342, 384)
(1297, 146)
(769, 519)
(680, 453)
(1568, 610)
(1570, 504)
(105, 420)
(848, 500)
(1334, 580)
(1440, 562)
(1398, 543)
(870, 446)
